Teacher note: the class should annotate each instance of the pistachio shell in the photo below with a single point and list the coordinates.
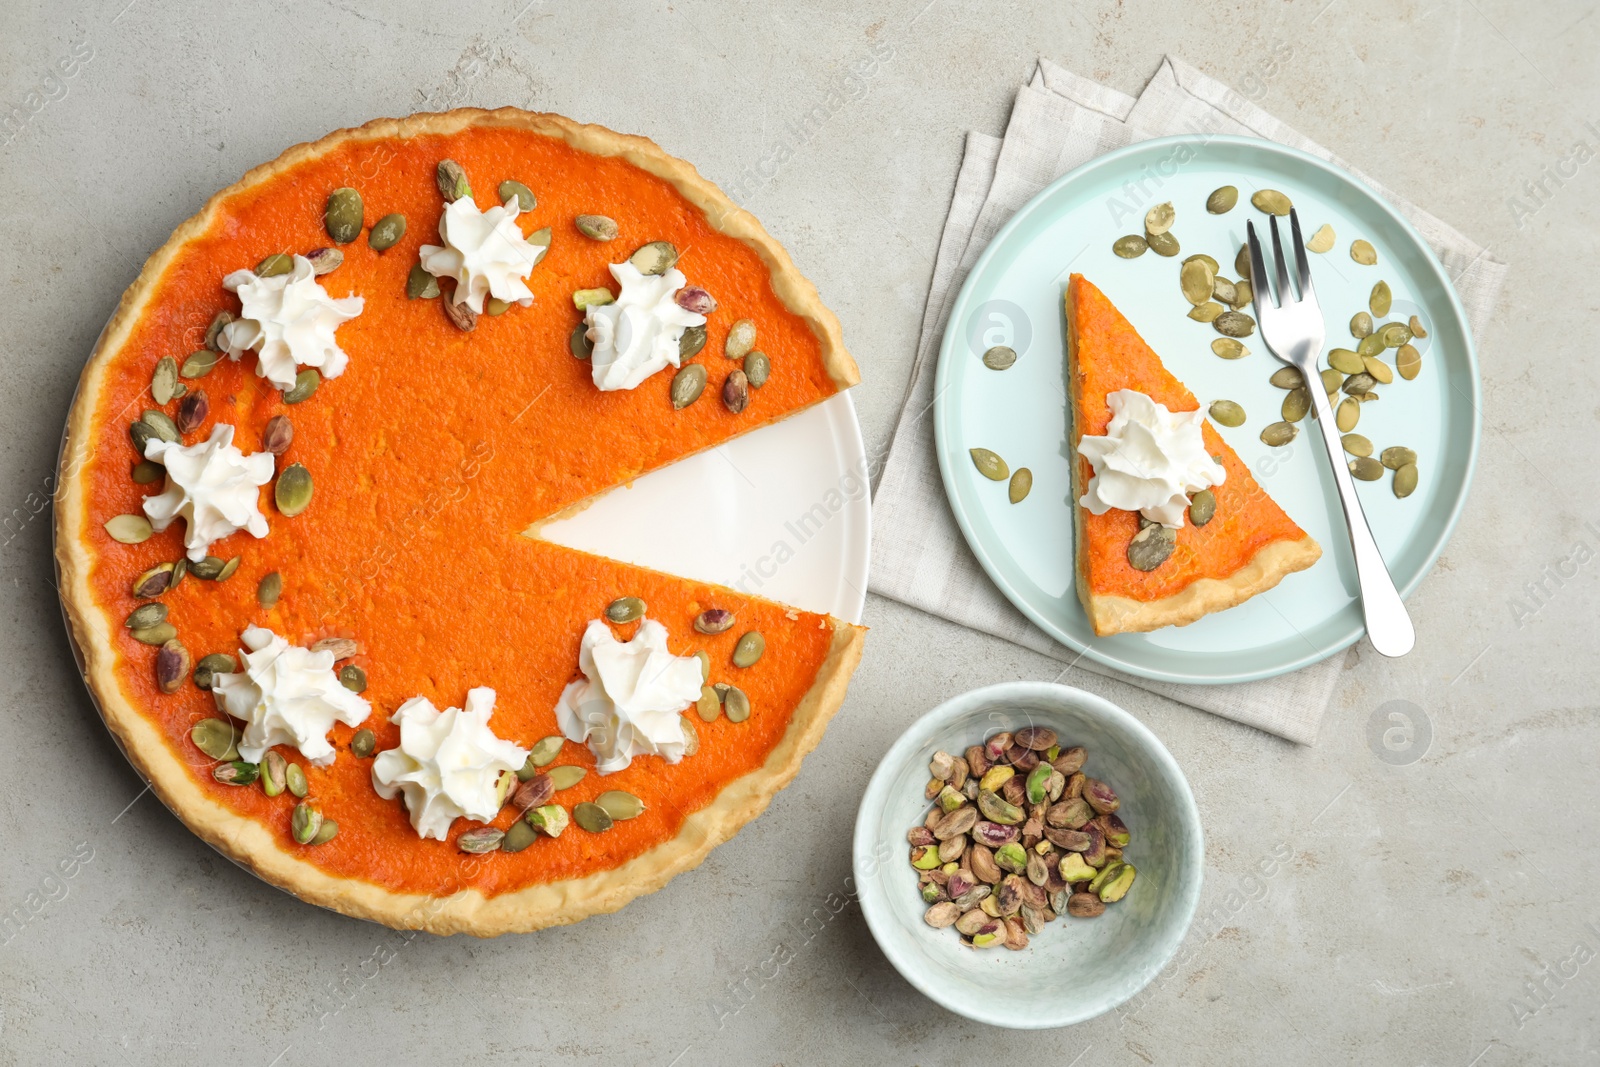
(597, 227)
(736, 391)
(324, 260)
(587, 298)
(1407, 361)
(451, 179)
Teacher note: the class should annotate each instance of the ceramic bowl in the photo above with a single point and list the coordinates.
(1074, 969)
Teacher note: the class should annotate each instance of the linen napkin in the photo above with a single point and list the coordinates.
(1061, 121)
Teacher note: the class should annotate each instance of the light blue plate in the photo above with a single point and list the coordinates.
(1014, 297)
(1073, 969)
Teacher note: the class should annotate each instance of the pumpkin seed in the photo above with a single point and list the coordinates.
(1227, 413)
(353, 678)
(1208, 311)
(1271, 201)
(1394, 334)
(1279, 433)
(657, 257)
(736, 703)
(495, 306)
(324, 260)
(1151, 547)
(236, 772)
(172, 662)
(591, 817)
(344, 215)
(154, 582)
(1347, 415)
(305, 820)
(1356, 445)
(273, 769)
(1363, 252)
(687, 385)
(451, 178)
(1000, 357)
(161, 425)
(363, 743)
(1370, 345)
(1163, 244)
(541, 239)
(1360, 325)
(1345, 361)
(206, 671)
(145, 615)
(327, 832)
(164, 380)
(1202, 507)
(620, 805)
(542, 754)
(228, 568)
(295, 779)
(1322, 240)
(566, 777)
(1130, 247)
(1381, 299)
(1241, 262)
(1405, 481)
(1201, 257)
(1228, 348)
(1379, 370)
(709, 705)
(1366, 468)
(209, 568)
(420, 285)
(989, 465)
(1158, 220)
(1283, 377)
(213, 331)
(741, 339)
(1021, 485)
(1331, 380)
(1359, 383)
(269, 589)
(705, 662)
(749, 649)
(1415, 326)
(1295, 404)
(691, 736)
(757, 368)
(274, 265)
(1222, 200)
(597, 227)
(1234, 324)
(519, 835)
(625, 609)
(1196, 278)
(587, 298)
(480, 840)
(293, 490)
(736, 391)
(511, 188)
(199, 364)
(192, 410)
(691, 341)
(305, 383)
(386, 232)
(1408, 361)
(1396, 456)
(1225, 291)
(217, 738)
(129, 529)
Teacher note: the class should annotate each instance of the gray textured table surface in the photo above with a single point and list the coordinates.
(1435, 908)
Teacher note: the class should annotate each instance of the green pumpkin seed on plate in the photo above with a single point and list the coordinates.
(1130, 247)
(1347, 414)
(1322, 240)
(1279, 433)
(1345, 361)
(1405, 481)
(217, 738)
(1164, 244)
(1408, 361)
(1227, 412)
(591, 817)
(1415, 326)
(1271, 201)
(199, 364)
(1000, 357)
(1379, 370)
(1021, 485)
(1228, 348)
(749, 649)
(1356, 445)
(1222, 200)
(1380, 300)
(735, 704)
(1331, 380)
(989, 465)
(1366, 468)
(1209, 311)
(1158, 220)
(620, 805)
(1296, 403)
(1394, 334)
(1370, 345)
(1396, 456)
(1283, 377)
(1196, 278)
(1363, 252)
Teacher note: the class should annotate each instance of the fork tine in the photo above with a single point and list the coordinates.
(1302, 266)
(1285, 294)
(1258, 270)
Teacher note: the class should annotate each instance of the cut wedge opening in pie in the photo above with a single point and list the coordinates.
(404, 345)
(1246, 546)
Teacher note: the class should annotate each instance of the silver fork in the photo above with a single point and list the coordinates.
(1294, 331)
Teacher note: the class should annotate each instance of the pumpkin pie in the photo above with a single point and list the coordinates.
(1245, 546)
(345, 388)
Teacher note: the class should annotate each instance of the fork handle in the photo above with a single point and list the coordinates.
(1388, 624)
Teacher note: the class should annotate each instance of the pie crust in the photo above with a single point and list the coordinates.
(460, 906)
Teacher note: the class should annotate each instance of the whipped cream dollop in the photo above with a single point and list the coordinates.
(448, 764)
(290, 320)
(485, 252)
(630, 701)
(1150, 460)
(212, 485)
(638, 334)
(286, 695)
